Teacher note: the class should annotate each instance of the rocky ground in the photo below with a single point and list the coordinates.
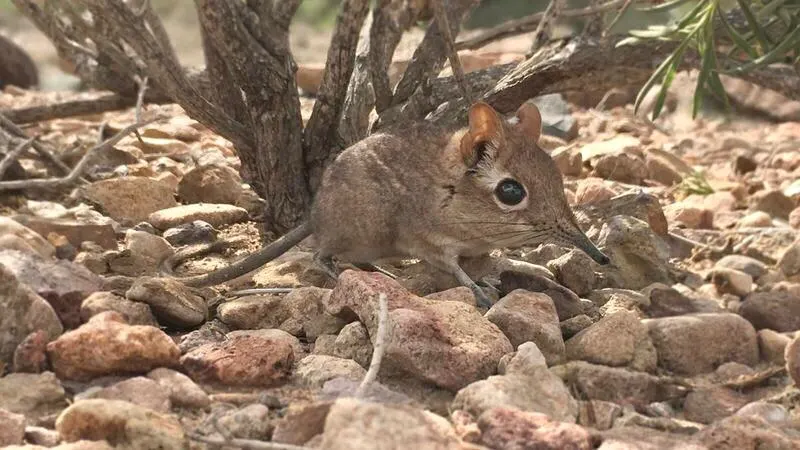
(689, 339)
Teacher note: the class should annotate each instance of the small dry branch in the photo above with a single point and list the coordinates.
(379, 346)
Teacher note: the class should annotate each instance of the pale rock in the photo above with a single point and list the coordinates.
(794, 218)
(12, 428)
(508, 428)
(568, 161)
(107, 345)
(619, 339)
(757, 219)
(183, 392)
(773, 413)
(529, 317)
(697, 343)
(614, 383)
(353, 343)
(76, 231)
(35, 241)
(143, 254)
(567, 303)
(217, 215)
(772, 202)
(210, 184)
(137, 390)
(249, 422)
(575, 325)
(776, 310)
(689, 216)
(135, 313)
(622, 167)
(314, 370)
(574, 270)
(744, 432)
(772, 345)
(129, 199)
(592, 190)
(173, 303)
(792, 357)
(746, 264)
(34, 395)
(707, 405)
(301, 422)
(730, 281)
(276, 334)
(789, 261)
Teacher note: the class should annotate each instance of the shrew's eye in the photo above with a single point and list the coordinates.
(509, 192)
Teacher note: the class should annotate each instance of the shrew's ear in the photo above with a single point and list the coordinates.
(485, 125)
(530, 121)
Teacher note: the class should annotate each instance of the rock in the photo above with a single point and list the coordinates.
(772, 202)
(568, 161)
(771, 345)
(663, 167)
(183, 392)
(622, 167)
(511, 428)
(44, 437)
(173, 303)
(567, 303)
(574, 270)
(314, 370)
(210, 184)
(30, 355)
(525, 385)
(771, 412)
(23, 312)
(135, 313)
(95, 262)
(707, 405)
(730, 281)
(614, 299)
(732, 370)
(129, 199)
(292, 269)
(190, 233)
(794, 218)
(776, 310)
(689, 216)
(301, 422)
(448, 344)
(792, 357)
(210, 332)
(619, 339)
(300, 313)
(697, 343)
(34, 240)
(216, 215)
(615, 383)
(353, 343)
(575, 325)
(789, 263)
(297, 347)
(634, 437)
(639, 256)
(598, 414)
(34, 395)
(525, 316)
(250, 422)
(137, 390)
(757, 219)
(743, 164)
(244, 360)
(592, 190)
(75, 231)
(127, 425)
(352, 424)
(143, 254)
(62, 283)
(12, 428)
(557, 118)
(746, 264)
(107, 345)
(737, 432)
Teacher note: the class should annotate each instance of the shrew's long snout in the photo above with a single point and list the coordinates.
(579, 240)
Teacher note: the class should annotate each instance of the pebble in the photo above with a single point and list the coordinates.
(314, 370)
(592, 190)
(75, 231)
(125, 424)
(183, 392)
(30, 355)
(575, 325)
(448, 344)
(62, 283)
(12, 428)
(574, 270)
(567, 303)
(794, 218)
(129, 199)
(689, 216)
(757, 219)
(301, 422)
(771, 345)
(773, 202)
(173, 303)
(618, 339)
(527, 385)
(143, 254)
(243, 360)
(707, 405)
(249, 422)
(789, 261)
(746, 264)
(107, 345)
(504, 427)
(773, 413)
(611, 384)
(137, 390)
(135, 313)
(730, 281)
(210, 184)
(33, 240)
(640, 257)
(697, 343)
(568, 161)
(622, 167)
(23, 312)
(792, 357)
(525, 316)
(353, 343)
(776, 310)
(743, 432)
(190, 233)
(34, 395)
(217, 215)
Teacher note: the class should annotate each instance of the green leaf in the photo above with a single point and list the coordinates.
(663, 6)
(659, 73)
(737, 38)
(628, 41)
(669, 76)
(692, 15)
(792, 39)
(751, 19)
(653, 31)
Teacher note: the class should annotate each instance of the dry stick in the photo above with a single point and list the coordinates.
(379, 348)
(440, 13)
(76, 171)
(140, 97)
(244, 443)
(621, 12)
(70, 108)
(13, 155)
(543, 30)
(12, 128)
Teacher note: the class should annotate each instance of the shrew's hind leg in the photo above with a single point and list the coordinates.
(326, 263)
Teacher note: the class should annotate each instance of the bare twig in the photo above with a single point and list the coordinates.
(140, 96)
(544, 28)
(440, 13)
(378, 347)
(250, 444)
(14, 130)
(77, 170)
(259, 291)
(13, 155)
(619, 15)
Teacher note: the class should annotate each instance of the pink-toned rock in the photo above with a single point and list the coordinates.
(756, 219)
(30, 355)
(623, 167)
(137, 390)
(792, 357)
(689, 216)
(12, 428)
(511, 428)
(129, 199)
(107, 345)
(244, 360)
(773, 202)
(592, 190)
(445, 343)
(210, 184)
(182, 390)
(794, 218)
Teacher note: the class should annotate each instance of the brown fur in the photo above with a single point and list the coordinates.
(16, 67)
